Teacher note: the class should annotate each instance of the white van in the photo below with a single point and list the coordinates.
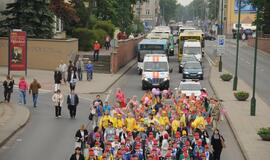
(155, 72)
(193, 48)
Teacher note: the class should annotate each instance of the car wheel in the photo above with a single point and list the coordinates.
(201, 78)
(184, 77)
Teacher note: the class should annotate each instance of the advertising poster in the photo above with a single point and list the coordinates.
(246, 6)
(17, 51)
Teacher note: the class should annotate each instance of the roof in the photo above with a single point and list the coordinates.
(155, 58)
(153, 41)
(190, 33)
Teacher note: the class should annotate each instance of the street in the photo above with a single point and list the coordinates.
(47, 138)
(245, 66)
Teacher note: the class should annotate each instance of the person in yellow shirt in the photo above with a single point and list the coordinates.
(175, 124)
(104, 121)
(119, 121)
(130, 123)
(199, 120)
(164, 120)
(182, 118)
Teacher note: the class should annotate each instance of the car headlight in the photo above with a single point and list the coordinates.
(144, 78)
(186, 73)
(166, 78)
(199, 72)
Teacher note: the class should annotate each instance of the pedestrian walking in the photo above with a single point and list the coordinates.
(77, 155)
(23, 87)
(8, 88)
(72, 102)
(107, 42)
(97, 47)
(57, 79)
(215, 113)
(80, 67)
(72, 79)
(89, 69)
(218, 143)
(81, 137)
(58, 100)
(33, 89)
(63, 69)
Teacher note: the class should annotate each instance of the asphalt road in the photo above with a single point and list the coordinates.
(245, 66)
(47, 138)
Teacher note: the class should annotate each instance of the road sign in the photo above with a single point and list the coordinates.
(221, 45)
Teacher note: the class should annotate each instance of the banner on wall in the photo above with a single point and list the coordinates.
(17, 51)
(246, 6)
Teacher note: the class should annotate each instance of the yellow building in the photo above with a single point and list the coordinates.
(248, 14)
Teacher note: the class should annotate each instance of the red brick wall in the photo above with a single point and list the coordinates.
(124, 53)
(263, 44)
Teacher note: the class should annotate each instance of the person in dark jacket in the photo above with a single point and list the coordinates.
(57, 79)
(8, 88)
(77, 155)
(72, 102)
(217, 142)
(82, 136)
(72, 78)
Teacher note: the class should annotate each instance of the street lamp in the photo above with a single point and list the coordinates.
(221, 33)
(253, 99)
(235, 80)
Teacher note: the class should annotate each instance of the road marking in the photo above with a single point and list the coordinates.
(210, 61)
(248, 62)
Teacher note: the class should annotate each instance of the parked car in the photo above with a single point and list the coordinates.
(193, 70)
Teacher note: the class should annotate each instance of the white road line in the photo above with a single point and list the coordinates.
(210, 61)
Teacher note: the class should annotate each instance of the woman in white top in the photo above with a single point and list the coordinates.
(58, 100)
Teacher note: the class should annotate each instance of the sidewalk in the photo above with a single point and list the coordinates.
(100, 83)
(12, 119)
(244, 126)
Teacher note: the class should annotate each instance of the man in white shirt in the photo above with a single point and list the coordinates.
(63, 70)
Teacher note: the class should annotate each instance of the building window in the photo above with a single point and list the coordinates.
(147, 12)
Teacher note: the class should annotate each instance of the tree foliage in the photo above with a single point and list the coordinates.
(167, 8)
(213, 6)
(34, 17)
(64, 11)
(263, 20)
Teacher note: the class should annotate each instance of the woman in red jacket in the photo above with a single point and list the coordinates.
(23, 87)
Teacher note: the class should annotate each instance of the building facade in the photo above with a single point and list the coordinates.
(248, 14)
(148, 12)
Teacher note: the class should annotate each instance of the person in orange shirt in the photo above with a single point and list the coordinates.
(97, 47)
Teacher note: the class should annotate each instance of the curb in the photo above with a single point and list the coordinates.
(18, 129)
(245, 155)
(121, 75)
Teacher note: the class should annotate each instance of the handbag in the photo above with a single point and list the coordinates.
(90, 117)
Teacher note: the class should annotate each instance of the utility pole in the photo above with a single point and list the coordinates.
(221, 33)
(235, 80)
(253, 99)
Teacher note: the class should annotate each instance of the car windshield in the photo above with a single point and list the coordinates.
(155, 66)
(192, 50)
(151, 47)
(193, 66)
(193, 87)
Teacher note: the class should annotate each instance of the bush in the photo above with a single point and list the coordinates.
(226, 77)
(264, 131)
(85, 37)
(241, 95)
(107, 26)
(100, 36)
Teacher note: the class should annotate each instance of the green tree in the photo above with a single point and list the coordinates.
(167, 8)
(213, 6)
(34, 17)
(124, 14)
(263, 7)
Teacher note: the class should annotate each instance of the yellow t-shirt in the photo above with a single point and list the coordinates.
(175, 125)
(164, 120)
(198, 121)
(104, 121)
(131, 124)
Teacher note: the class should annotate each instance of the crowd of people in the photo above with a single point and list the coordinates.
(161, 125)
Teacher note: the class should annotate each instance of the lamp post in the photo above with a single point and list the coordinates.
(87, 5)
(235, 80)
(253, 99)
(221, 33)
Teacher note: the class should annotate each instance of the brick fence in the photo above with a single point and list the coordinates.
(263, 44)
(124, 53)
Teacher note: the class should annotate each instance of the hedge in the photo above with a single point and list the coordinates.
(106, 26)
(88, 37)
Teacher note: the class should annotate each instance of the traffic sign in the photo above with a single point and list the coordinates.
(221, 45)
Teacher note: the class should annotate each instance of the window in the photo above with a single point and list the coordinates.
(147, 12)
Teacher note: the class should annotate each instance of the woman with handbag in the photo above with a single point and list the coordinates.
(217, 142)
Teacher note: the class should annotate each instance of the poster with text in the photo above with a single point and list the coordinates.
(17, 51)
(246, 6)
